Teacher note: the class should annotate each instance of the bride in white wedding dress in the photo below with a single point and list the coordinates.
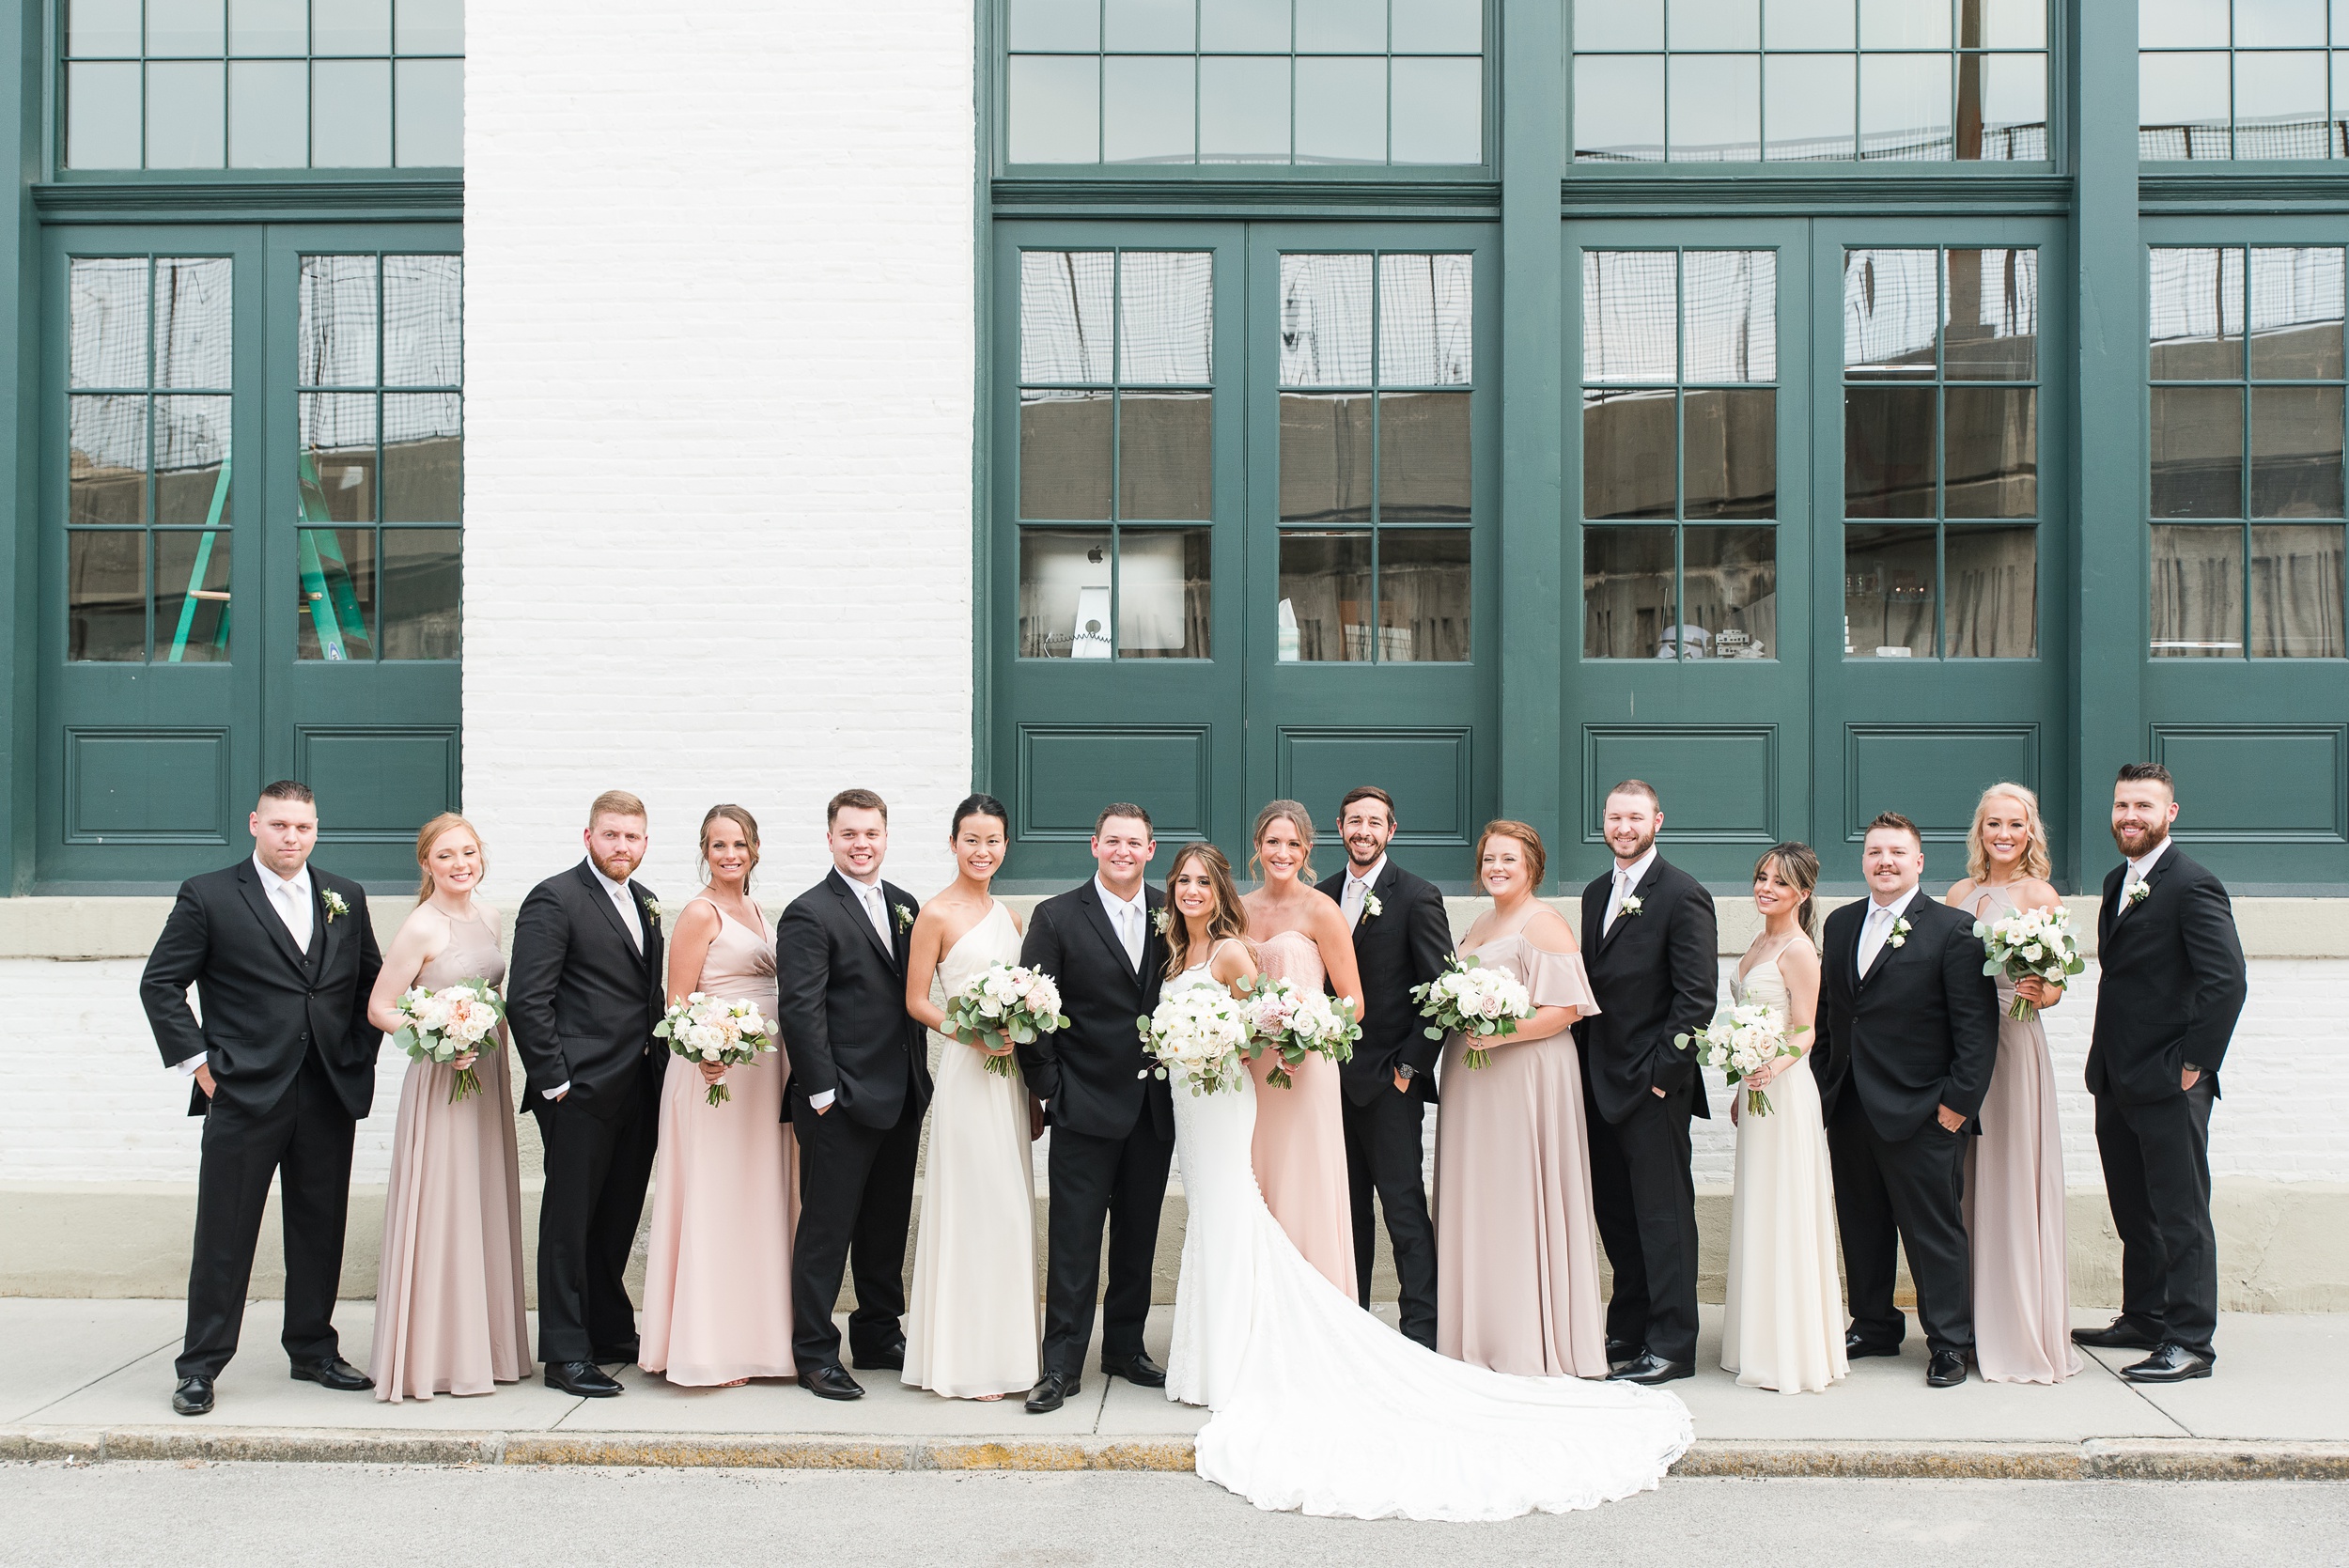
(1317, 1405)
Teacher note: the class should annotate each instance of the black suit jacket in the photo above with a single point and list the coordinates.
(581, 1000)
(2171, 982)
(1403, 945)
(266, 1002)
(1091, 1076)
(1656, 975)
(1920, 1032)
(843, 1000)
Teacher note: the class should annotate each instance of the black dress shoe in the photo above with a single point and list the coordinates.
(1137, 1368)
(2171, 1362)
(832, 1382)
(193, 1397)
(1620, 1351)
(581, 1379)
(1052, 1391)
(333, 1373)
(891, 1359)
(1650, 1369)
(2122, 1333)
(1947, 1371)
(1858, 1348)
(617, 1355)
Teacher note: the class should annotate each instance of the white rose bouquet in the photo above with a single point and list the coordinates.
(1009, 1000)
(713, 1028)
(2027, 944)
(1196, 1036)
(455, 1022)
(1295, 1022)
(1742, 1042)
(1481, 1004)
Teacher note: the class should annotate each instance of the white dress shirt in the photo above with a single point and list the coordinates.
(877, 911)
(295, 904)
(625, 902)
(1129, 915)
(1877, 928)
(1627, 878)
(1357, 888)
(2139, 867)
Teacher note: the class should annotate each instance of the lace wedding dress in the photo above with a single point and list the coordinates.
(1321, 1407)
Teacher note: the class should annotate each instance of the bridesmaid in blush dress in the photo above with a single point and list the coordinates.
(448, 1295)
(2015, 1170)
(1516, 1240)
(1300, 1145)
(717, 1271)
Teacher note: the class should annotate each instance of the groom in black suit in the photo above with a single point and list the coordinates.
(1909, 1031)
(1112, 1123)
(283, 1066)
(859, 1082)
(2171, 986)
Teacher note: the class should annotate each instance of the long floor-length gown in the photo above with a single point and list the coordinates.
(1516, 1239)
(1784, 1326)
(448, 1293)
(1319, 1406)
(1300, 1147)
(725, 1198)
(972, 1319)
(2015, 1205)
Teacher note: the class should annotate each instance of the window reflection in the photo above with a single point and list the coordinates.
(1162, 593)
(1628, 593)
(1992, 597)
(1063, 594)
(1729, 593)
(1888, 592)
(2197, 592)
(2297, 592)
(1324, 613)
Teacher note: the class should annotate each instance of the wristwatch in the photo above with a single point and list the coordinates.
(1404, 1069)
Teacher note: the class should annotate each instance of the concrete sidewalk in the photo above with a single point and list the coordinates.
(93, 1379)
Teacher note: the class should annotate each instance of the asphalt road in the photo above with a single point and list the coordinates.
(126, 1515)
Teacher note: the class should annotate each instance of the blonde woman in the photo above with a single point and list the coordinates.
(2015, 1170)
(448, 1302)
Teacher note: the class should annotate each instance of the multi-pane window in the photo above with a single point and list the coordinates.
(1738, 81)
(1245, 81)
(1941, 454)
(264, 84)
(2247, 438)
(379, 362)
(1680, 443)
(1377, 485)
(147, 475)
(2254, 79)
(1116, 448)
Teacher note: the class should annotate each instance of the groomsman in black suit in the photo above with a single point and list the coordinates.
(859, 1082)
(1652, 952)
(1401, 938)
(1112, 1123)
(2171, 984)
(283, 1065)
(584, 991)
(1909, 1030)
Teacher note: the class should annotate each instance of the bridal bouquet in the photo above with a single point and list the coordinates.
(1478, 1002)
(1010, 1000)
(1292, 1020)
(1743, 1041)
(454, 1021)
(2028, 943)
(1196, 1036)
(713, 1028)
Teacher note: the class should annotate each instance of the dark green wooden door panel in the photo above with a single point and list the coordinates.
(384, 782)
(1068, 773)
(1723, 781)
(1933, 774)
(125, 785)
(1430, 772)
(2259, 784)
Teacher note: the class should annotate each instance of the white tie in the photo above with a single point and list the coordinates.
(291, 911)
(1614, 905)
(1872, 940)
(1130, 931)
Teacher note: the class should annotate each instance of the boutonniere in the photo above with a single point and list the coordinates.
(334, 904)
(1160, 920)
(1372, 909)
(2138, 894)
(1900, 932)
(1632, 905)
(904, 917)
(654, 912)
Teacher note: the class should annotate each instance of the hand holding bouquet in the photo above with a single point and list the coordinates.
(713, 1028)
(1478, 1002)
(1011, 1001)
(1196, 1036)
(451, 1025)
(1747, 1040)
(2030, 944)
(1294, 1021)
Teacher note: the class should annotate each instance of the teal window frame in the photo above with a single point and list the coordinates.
(2332, 52)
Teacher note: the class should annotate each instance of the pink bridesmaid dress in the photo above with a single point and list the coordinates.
(724, 1200)
(1300, 1147)
(448, 1292)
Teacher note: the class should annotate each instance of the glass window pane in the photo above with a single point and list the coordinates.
(1148, 101)
(191, 459)
(2004, 24)
(2281, 23)
(1809, 106)
(335, 346)
(192, 598)
(1165, 319)
(107, 321)
(351, 26)
(422, 592)
(1341, 110)
(1055, 24)
(1619, 108)
(2196, 315)
(102, 116)
(1715, 107)
(1630, 316)
(1325, 597)
(350, 114)
(1341, 26)
(1627, 597)
(431, 116)
(1904, 24)
(187, 125)
(1064, 315)
(1728, 593)
(1888, 593)
(1992, 316)
(105, 596)
(1065, 453)
(1439, 110)
(1425, 472)
(2007, 96)
(1728, 314)
(1063, 594)
(2197, 442)
(1807, 25)
(1438, 26)
(1165, 454)
(1162, 593)
(1713, 24)
(2280, 101)
(2296, 313)
(1905, 111)
(2295, 451)
(1150, 25)
(1731, 454)
(2181, 23)
(1891, 305)
(335, 579)
(429, 26)
(337, 461)
(423, 320)
(106, 460)
(2182, 106)
(275, 26)
(1423, 586)
(101, 28)
(1992, 610)
(2295, 593)
(183, 28)
(1325, 320)
(1888, 452)
(2198, 593)
(1991, 446)
(424, 453)
(1055, 108)
(1426, 316)
(1619, 23)
(192, 321)
(1325, 457)
(1249, 25)
(1627, 458)
(1244, 110)
(269, 113)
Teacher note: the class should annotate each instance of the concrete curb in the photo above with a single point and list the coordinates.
(2097, 1459)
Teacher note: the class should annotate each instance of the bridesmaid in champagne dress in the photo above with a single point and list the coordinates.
(1516, 1241)
(726, 1177)
(2015, 1170)
(972, 1319)
(448, 1295)
(1300, 1145)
